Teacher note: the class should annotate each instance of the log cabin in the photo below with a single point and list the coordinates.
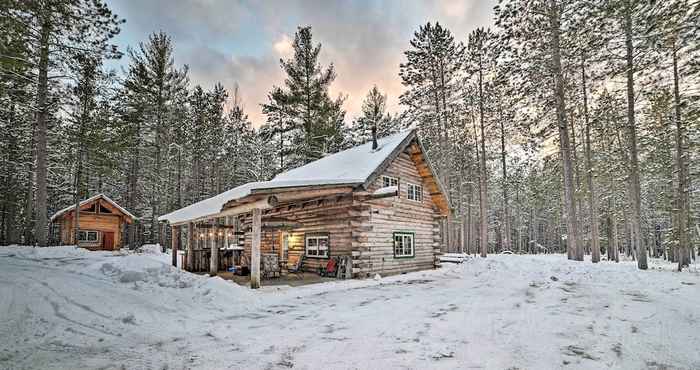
(378, 206)
(101, 224)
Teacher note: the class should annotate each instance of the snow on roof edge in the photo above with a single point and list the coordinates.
(91, 199)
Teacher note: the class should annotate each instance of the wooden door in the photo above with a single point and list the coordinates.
(108, 241)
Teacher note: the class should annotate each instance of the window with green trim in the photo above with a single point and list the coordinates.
(404, 245)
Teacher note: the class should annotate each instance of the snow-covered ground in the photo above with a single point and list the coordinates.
(66, 308)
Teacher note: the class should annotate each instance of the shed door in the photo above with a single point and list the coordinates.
(108, 241)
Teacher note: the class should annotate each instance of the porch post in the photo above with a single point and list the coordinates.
(214, 260)
(175, 231)
(255, 250)
(190, 247)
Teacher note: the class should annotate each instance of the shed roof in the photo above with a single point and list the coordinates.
(90, 200)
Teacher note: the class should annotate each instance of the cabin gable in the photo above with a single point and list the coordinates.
(402, 232)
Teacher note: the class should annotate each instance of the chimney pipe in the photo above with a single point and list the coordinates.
(374, 137)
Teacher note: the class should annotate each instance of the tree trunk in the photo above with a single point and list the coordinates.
(78, 171)
(635, 191)
(506, 206)
(29, 200)
(41, 222)
(592, 199)
(682, 169)
(483, 207)
(564, 146)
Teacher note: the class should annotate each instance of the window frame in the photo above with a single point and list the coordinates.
(404, 234)
(317, 237)
(86, 238)
(390, 179)
(416, 194)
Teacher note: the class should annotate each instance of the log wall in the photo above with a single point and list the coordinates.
(330, 215)
(374, 244)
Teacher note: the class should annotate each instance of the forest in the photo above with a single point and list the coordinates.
(568, 126)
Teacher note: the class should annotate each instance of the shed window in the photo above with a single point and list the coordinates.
(317, 245)
(87, 236)
(389, 181)
(415, 192)
(404, 245)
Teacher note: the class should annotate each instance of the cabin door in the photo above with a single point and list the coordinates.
(108, 241)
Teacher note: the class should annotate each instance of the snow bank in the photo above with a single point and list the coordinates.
(387, 190)
(67, 308)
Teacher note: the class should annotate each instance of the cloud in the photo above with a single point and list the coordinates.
(242, 41)
(283, 46)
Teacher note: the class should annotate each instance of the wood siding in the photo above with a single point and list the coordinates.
(374, 246)
(94, 221)
(330, 215)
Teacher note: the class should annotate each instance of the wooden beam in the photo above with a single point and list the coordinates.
(255, 250)
(266, 203)
(214, 248)
(175, 231)
(190, 247)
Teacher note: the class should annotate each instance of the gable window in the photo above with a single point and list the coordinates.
(404, 245)
(87, 236)
(316, 245)
(415, 192)
(389, 181)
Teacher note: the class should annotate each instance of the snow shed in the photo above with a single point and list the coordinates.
(377, 206)
(101, 224)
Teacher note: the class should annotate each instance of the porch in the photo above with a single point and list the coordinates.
(262, 240)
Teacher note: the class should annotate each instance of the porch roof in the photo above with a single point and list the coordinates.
(351, 167)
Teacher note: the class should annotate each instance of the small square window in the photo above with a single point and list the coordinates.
(389, 181)
(317, 245)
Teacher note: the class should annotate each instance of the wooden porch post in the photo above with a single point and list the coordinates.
(255, 250)
(190, 247)
(175, 231)
(214, 260)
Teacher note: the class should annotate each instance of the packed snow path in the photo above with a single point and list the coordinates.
(64, 308)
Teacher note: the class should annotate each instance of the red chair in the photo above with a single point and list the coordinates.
(330, 270)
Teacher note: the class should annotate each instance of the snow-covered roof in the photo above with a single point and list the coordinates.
(90, 200)
(348, 167)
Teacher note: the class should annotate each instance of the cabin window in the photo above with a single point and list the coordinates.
(404, 245)
(415, 192)
(104, 210)
(317, 245)
(389, 181)
(87, 236)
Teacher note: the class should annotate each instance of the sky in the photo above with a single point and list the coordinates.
(241, 42)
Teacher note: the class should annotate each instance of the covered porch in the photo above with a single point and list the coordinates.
(259, 238)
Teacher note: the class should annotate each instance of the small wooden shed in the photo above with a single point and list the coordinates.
(101, 223)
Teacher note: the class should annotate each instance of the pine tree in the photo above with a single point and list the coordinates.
(303, 108)
(60, 31)
(165, 85)
(374, 114)
(431, 75)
